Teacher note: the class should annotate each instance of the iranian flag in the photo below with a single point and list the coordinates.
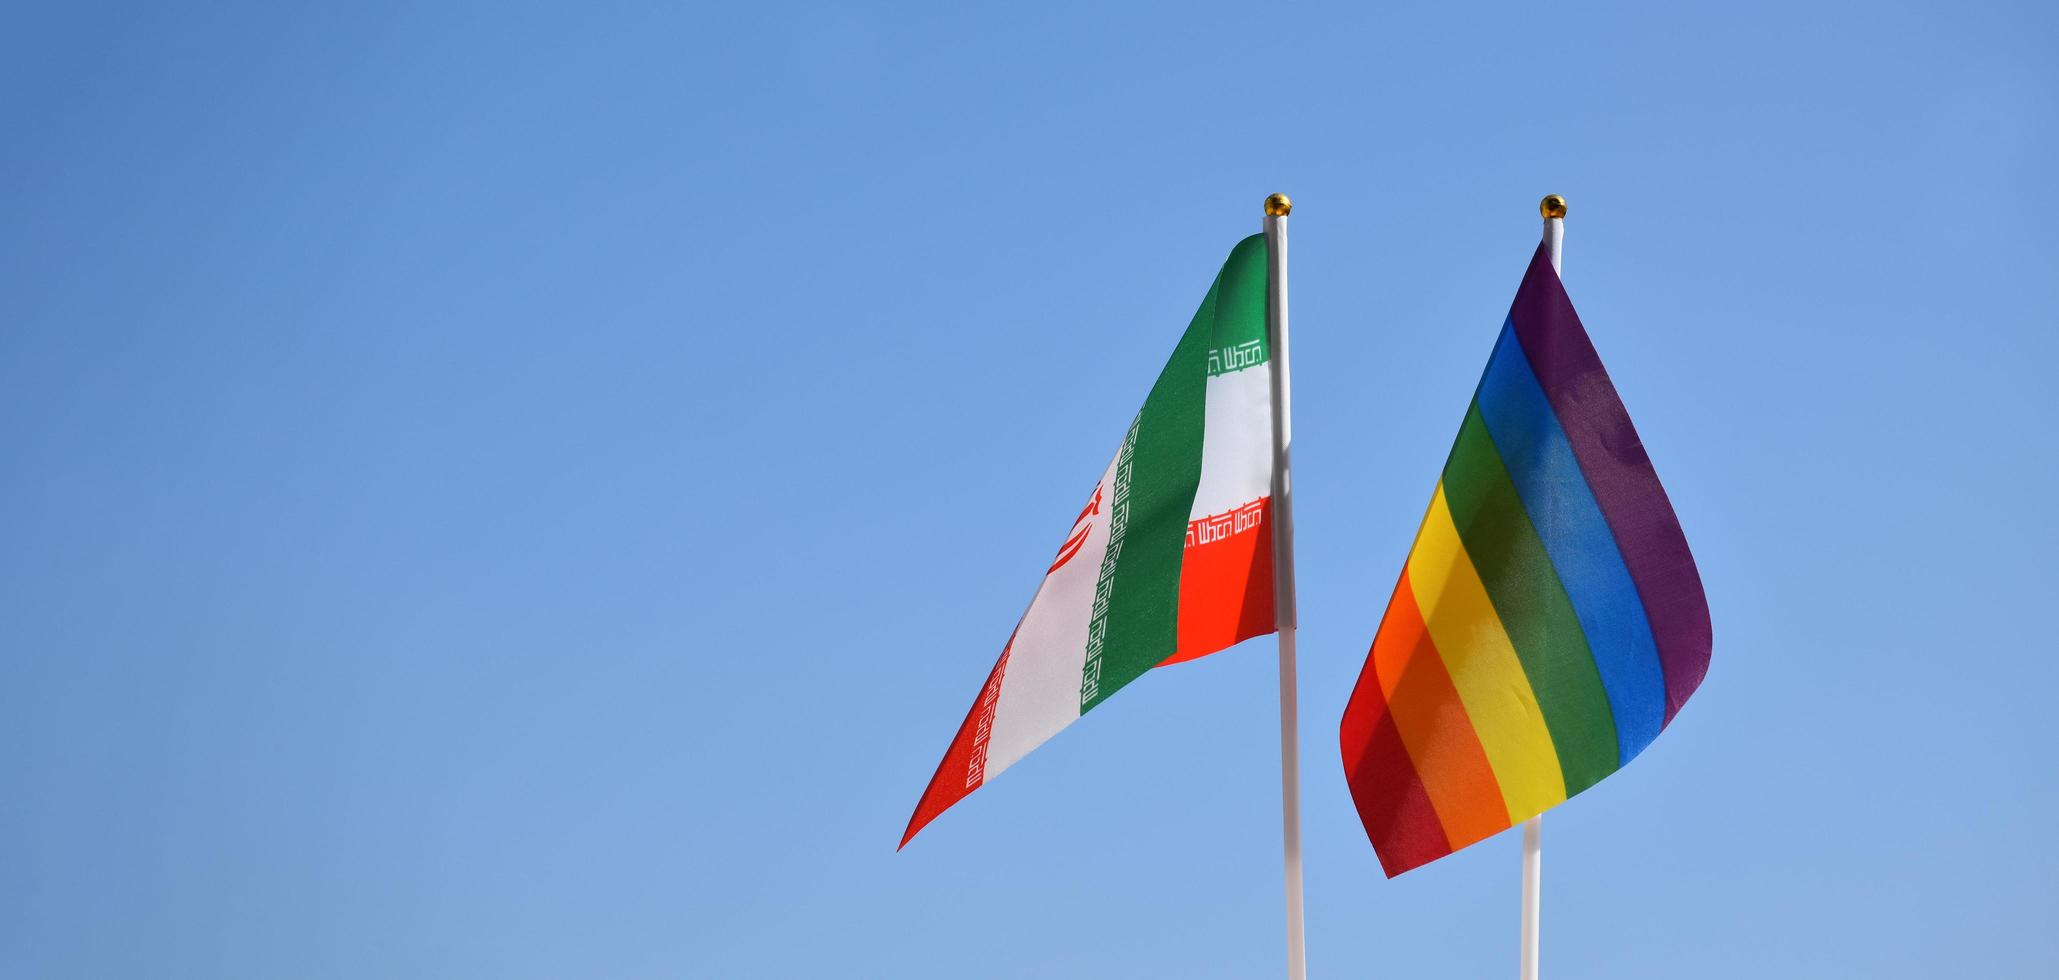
(1170, 558)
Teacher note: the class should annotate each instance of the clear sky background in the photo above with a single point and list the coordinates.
(507, 491)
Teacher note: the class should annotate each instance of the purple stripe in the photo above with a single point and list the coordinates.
(1620, 474)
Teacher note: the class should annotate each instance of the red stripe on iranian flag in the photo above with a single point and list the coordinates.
(964, 765)
(1226, 581)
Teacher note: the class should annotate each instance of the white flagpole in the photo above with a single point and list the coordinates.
(1277, 208)
(1533, 873)
(1553, 208)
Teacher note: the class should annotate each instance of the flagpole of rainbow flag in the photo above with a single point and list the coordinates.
(1277, 207)
(1553, 210)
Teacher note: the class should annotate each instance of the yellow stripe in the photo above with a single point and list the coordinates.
(1490, 680)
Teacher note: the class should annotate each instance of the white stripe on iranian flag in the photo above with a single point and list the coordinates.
(1040, 684)
(1236, 442)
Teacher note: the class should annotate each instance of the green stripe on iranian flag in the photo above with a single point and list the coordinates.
(1170, 558)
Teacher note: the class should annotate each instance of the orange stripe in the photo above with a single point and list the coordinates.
(1434, 726)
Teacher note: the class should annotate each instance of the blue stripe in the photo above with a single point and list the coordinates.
(1576, 536)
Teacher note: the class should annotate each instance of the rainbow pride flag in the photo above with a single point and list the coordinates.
(1549, 622)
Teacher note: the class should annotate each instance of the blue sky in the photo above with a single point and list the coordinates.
(514, 491)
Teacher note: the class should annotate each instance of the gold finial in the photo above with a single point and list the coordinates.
(1279, 206)
(1553, 206)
